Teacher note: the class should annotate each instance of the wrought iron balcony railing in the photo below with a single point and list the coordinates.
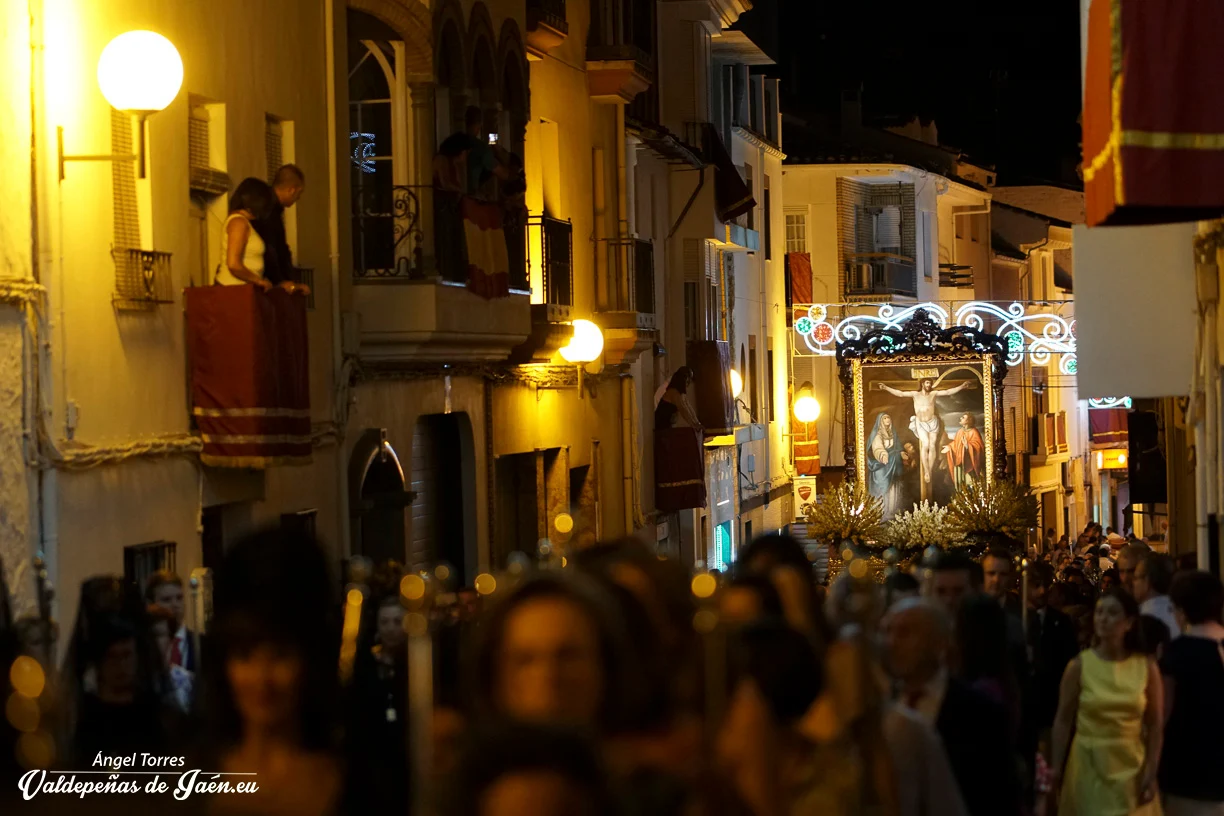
(388, 235)
(142, 278)
(557, 263)
(548, 12)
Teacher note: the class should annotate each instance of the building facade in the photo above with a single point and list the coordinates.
(446, 424)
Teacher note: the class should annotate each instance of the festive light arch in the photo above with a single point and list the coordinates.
(1039, 336)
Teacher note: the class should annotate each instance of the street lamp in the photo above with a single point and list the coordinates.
(737, 384)
(140, 73)
(585, 346)
(806, 407)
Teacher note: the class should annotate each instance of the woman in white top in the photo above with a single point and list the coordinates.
(241, 245)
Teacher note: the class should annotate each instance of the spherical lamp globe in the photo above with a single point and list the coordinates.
(586, 345)
(737, 384)
(807, 409)
(140, 71)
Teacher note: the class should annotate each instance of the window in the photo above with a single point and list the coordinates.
(796, 232)
(692, 312)
(209, 187)
(273, 146)
(140, 561)
(769, 382)
(767, 215)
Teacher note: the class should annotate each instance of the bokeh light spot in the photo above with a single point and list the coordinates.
(27, 676)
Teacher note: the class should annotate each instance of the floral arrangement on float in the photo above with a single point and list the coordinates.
(846, 513)
(993, 512)
(925, 526)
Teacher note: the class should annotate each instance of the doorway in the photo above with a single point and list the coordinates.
(443, 473)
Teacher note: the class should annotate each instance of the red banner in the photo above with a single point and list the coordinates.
(679, 470)
(807, 449)
(1108, 427)
(800, 264)
(1153, 131)
(250, 375)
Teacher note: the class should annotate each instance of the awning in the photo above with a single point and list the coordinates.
(711, 364)
(732, 197)
(1108, 427)
(1153, 133)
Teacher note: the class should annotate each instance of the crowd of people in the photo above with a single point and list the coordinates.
(620, 684)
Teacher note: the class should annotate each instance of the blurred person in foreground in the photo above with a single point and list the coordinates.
(918, 774)
(953, 576)
(776, 769)
(1054, 644)
(784, 562)
(272, 679)
(918, 638)
(528, 770)
(1112, 698)
(1193, 670)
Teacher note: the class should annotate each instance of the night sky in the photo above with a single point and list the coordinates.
(1000, 78)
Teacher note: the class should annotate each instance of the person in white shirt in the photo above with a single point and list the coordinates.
(1153, 578)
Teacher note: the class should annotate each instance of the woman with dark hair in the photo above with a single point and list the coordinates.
(673, 409)
(513, 769)
(242, 250)
(113, 676)
(1193, 669)
(556, 651)
(272, 678)
(1112, 697)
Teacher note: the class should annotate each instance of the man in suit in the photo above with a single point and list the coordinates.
(974, 729)
(1053, 641)
(165, 589)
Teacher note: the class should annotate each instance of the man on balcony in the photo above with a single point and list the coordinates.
(288, 185)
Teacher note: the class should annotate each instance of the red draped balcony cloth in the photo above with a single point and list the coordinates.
(250, 376)
(1153, 122)
(679, 470)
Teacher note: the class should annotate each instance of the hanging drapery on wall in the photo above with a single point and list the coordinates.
(250, 375)
(1153, 133)
(800, 265)
(1108, 427)
(679, 470)
(807, 449)
(711, 364)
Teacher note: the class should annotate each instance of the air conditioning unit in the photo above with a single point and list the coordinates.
(860, 277)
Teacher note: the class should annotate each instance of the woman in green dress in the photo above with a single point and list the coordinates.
(1111, 695)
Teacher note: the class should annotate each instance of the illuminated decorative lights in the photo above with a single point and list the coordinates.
(363, 153)
(1038, 336)
(1110, 402)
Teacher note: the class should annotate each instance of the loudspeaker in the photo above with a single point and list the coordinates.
(1145, 460)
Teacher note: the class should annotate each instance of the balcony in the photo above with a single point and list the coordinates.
(252, 410)
(418, 306)
(142, 279)
(1050, 437)
(880, 274)
(547, 26)
(618, 73)
(629, 323)
(550, 268)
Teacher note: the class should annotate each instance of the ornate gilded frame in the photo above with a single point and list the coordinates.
(922, 341)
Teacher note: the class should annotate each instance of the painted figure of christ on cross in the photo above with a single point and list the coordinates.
(925, 423)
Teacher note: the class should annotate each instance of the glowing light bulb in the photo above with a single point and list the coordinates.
(737, 384)
(807, 409)
(586, 345)
(140, 71)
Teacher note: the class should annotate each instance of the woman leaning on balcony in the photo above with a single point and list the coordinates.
(241, 246)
